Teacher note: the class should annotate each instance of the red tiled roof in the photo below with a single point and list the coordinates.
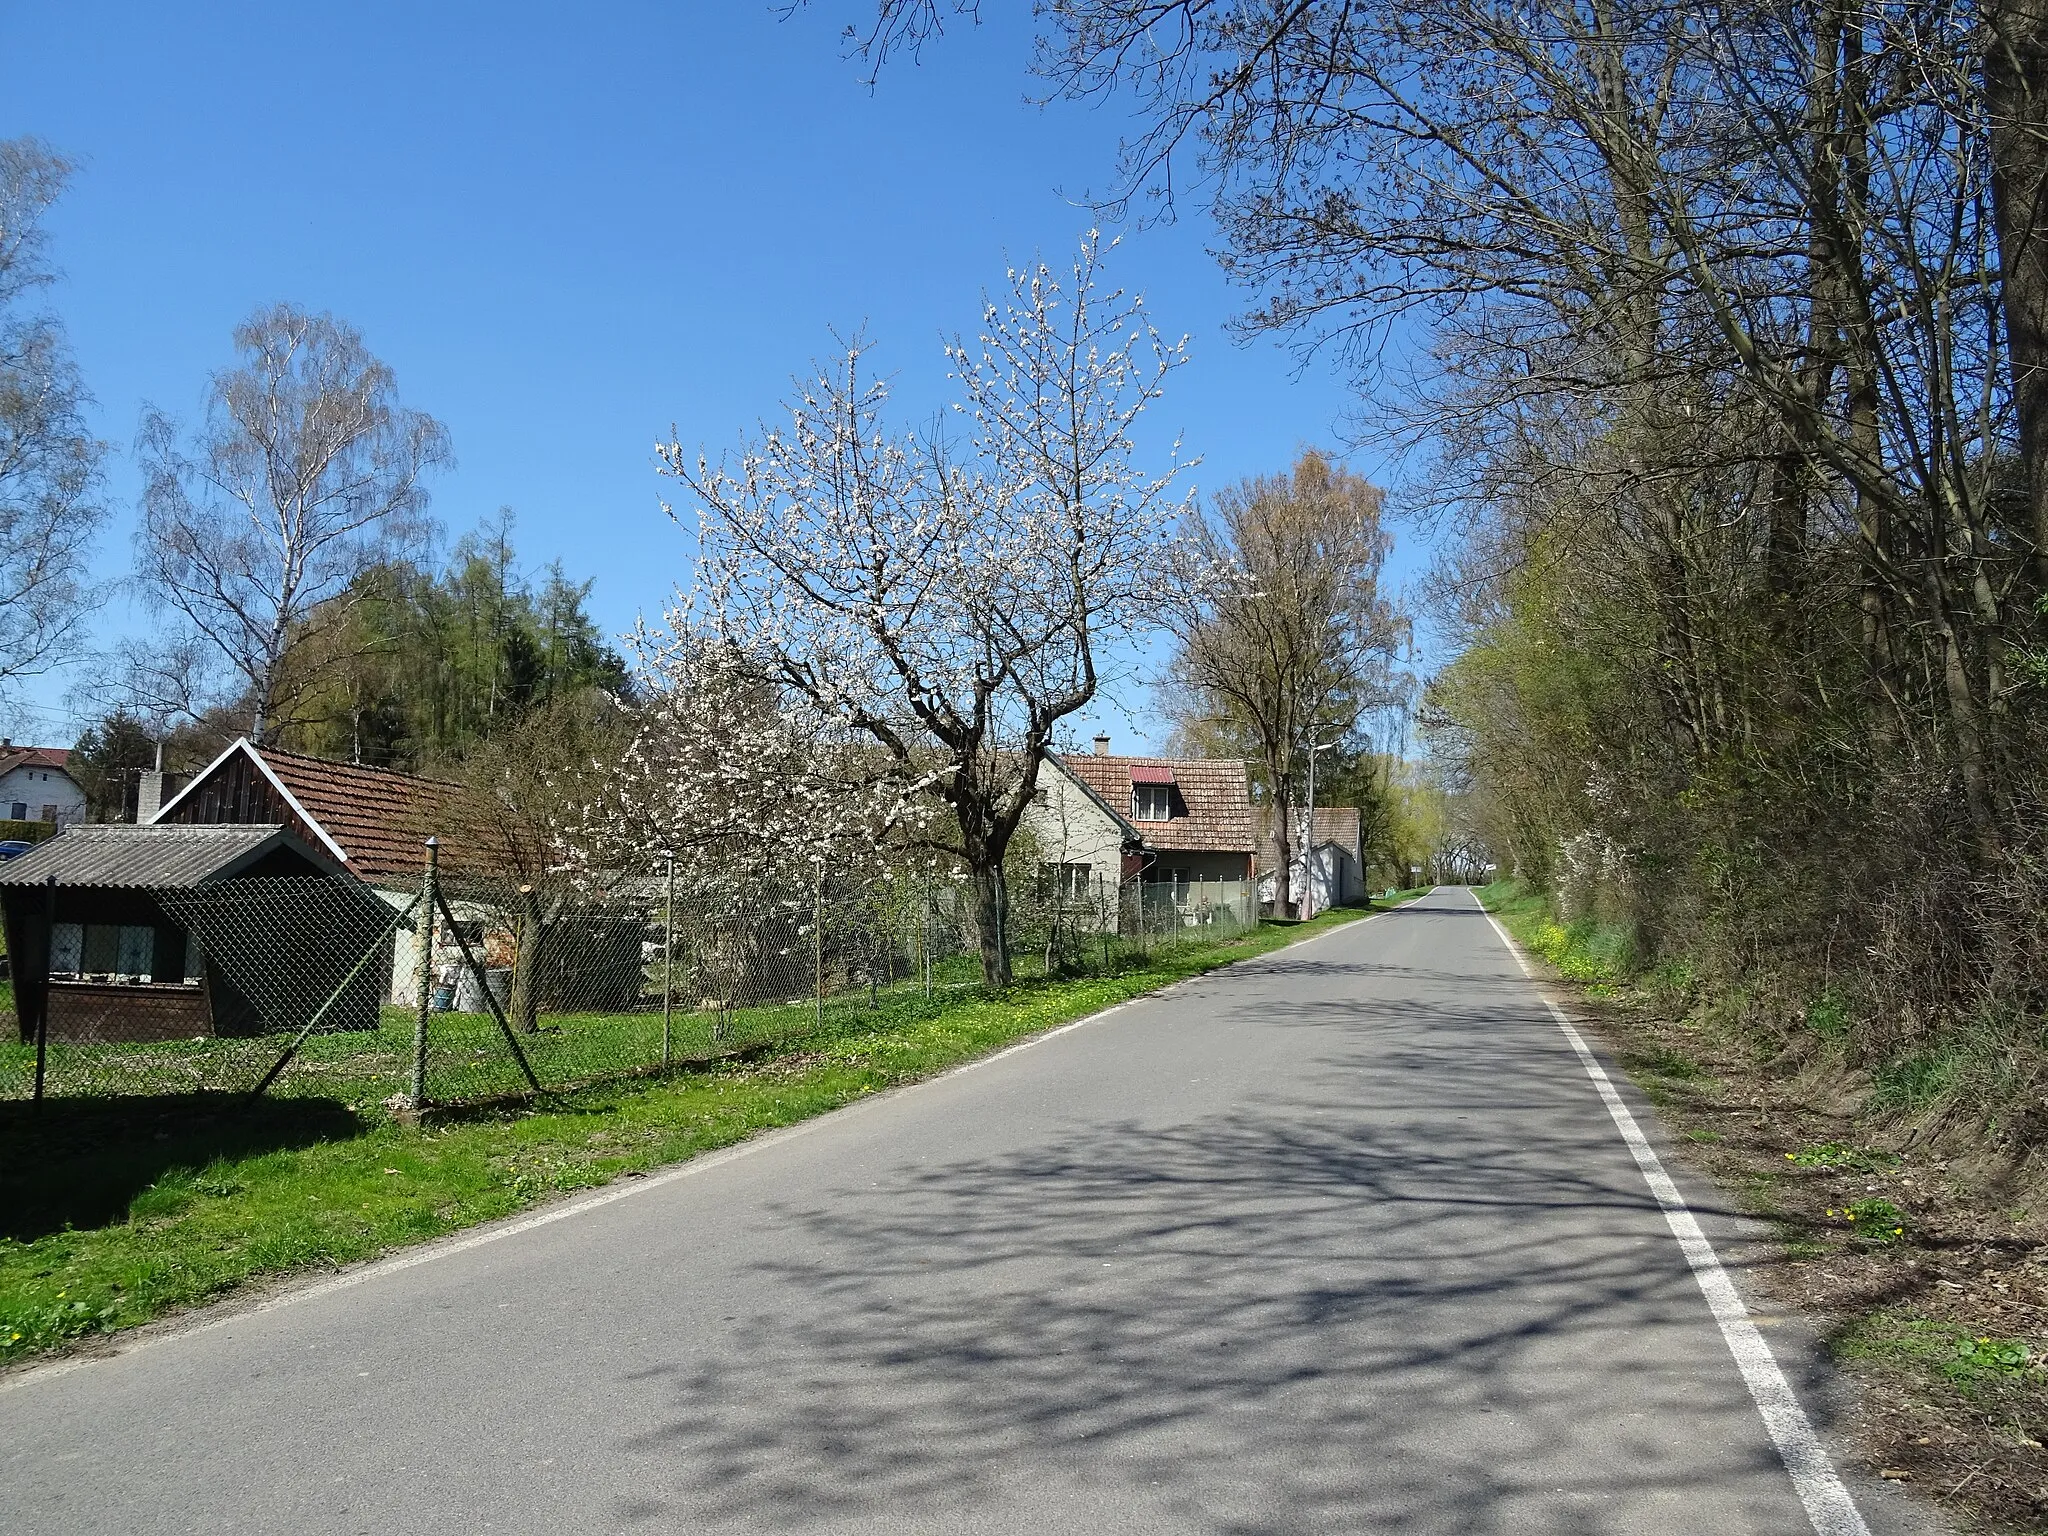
(57, 758)
(381, 818)
(1212, 803)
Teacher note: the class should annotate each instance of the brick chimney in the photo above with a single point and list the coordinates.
(156, 788)
(1102, 743)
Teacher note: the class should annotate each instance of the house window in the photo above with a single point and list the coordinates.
(1069, 882)
(17, 811)
(49, 813)
(1152, 802)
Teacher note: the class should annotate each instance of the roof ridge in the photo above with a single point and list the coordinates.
(330, 762)
(183, 828)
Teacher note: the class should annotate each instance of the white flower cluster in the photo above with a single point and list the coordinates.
(886, 627)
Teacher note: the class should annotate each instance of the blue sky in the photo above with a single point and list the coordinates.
(569, 228)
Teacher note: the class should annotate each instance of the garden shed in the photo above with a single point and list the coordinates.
(127, 933)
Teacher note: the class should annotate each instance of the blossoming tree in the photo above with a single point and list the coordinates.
(942, 599)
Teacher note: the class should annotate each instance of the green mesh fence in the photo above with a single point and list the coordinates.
(311, 986)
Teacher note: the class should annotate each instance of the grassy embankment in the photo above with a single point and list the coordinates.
(1925, 1278)
(115, 1212)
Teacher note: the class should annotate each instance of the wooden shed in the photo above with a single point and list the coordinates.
(126, 933)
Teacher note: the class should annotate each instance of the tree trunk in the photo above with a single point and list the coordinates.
(991, 924)
(1283, 877)
(2016, 101)
(525, 1010)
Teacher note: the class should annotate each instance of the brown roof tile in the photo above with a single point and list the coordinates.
(380, 818)
(57, 758)
(1334, 824)
(1212, 809)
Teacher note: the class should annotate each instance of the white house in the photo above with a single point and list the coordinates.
(1330, 875)
(1177, 827)
(36, 785)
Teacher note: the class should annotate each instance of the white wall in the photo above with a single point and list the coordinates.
(1072, 828)
(33, 788)
(1336, 878)
(405, 973)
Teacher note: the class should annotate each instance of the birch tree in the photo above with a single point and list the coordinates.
(49, 462)
(948, 598)
(306, 474)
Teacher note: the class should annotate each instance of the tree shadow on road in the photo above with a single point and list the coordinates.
(1406, 1295)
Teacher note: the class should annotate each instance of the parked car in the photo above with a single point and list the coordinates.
(13, 850)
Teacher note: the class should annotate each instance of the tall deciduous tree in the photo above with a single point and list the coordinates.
(306, 473)
(1282, 632)
(49, 462)
(2016, 117)
(948, 601)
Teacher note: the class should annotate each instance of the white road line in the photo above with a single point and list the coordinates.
(623, 1188)
(1819, 1486)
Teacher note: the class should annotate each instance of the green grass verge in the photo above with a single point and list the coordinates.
(1977, 1364)
(1595, 954)
(121, 1210)
(467, 1061)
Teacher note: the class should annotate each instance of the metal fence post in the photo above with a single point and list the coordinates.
(43, 1013)
(668, 964)
(424, 930)
(818, 953)
(930, 924)
(1002, 917)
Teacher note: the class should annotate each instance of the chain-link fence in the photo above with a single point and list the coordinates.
(319, 986)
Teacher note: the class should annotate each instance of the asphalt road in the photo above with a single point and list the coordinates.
(1340, 1240)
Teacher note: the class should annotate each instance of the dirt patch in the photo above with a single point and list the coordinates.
(1928, 1272)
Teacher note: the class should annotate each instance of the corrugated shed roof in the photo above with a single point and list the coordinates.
(1214, 792)
(142, 858)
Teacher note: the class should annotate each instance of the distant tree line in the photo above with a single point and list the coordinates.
(424, 667)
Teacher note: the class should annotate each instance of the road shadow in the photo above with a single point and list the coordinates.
(1400, 1294)
(79, 1162)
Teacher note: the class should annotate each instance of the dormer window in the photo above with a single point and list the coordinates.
(1151, 792)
